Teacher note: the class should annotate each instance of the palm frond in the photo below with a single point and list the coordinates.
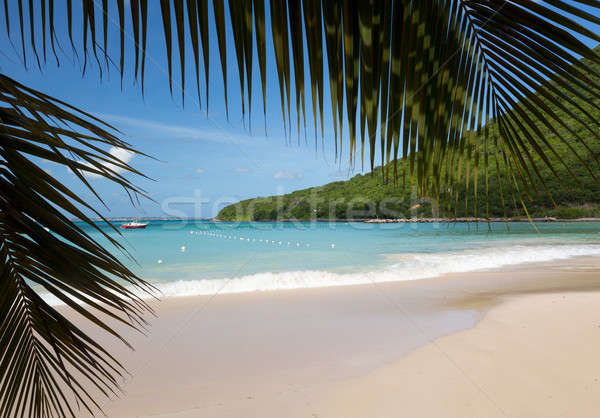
(44, 357)
(419, 72)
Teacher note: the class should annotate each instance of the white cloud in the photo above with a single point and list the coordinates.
(287, 175)
(200, 171)
(241, 170)
(125, 156)
(153, 129)
(121, 154)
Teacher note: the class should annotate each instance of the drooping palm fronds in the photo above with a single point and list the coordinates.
(47, 364)
(423, 73)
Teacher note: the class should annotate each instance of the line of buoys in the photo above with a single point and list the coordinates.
(248, 239)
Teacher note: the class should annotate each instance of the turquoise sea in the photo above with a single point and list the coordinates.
(203, 257)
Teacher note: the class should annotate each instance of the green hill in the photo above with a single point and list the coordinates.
(573, 189)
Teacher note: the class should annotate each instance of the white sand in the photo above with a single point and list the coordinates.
(535, 356)
(388, 350)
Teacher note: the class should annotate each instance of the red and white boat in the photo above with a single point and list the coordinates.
(134, 225)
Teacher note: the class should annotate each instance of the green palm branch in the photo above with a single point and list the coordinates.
(42, 352)
(415, 78)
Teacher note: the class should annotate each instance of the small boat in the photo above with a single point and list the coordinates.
(134, 225)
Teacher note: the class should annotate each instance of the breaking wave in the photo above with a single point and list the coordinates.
(399, 268)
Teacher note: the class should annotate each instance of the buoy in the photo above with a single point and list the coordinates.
(183, 248)
(159, 261)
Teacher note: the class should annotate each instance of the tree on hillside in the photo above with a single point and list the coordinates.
(414, 78)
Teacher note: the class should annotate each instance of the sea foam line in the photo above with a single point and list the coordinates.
(412, 267)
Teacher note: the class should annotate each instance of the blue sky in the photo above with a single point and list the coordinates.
(199, 158)
(197, 155)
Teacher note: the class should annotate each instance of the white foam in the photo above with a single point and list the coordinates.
(411, 267)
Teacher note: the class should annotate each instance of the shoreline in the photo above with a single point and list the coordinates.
(299, 280)
(480, 220)
(266, 353)
(410, 220)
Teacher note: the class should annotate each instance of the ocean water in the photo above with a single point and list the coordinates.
(202, 257)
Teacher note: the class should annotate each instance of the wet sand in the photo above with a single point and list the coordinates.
(505, 340)
(534, 356)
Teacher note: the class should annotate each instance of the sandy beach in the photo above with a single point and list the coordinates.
(534, 356)
(521, 341)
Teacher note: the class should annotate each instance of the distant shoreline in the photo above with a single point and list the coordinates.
(424, 220)
(484, 220)
(365, 220)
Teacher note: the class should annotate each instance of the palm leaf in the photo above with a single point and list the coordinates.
(220, 24)
(44, 357)
(296, 35)
(203, 27)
